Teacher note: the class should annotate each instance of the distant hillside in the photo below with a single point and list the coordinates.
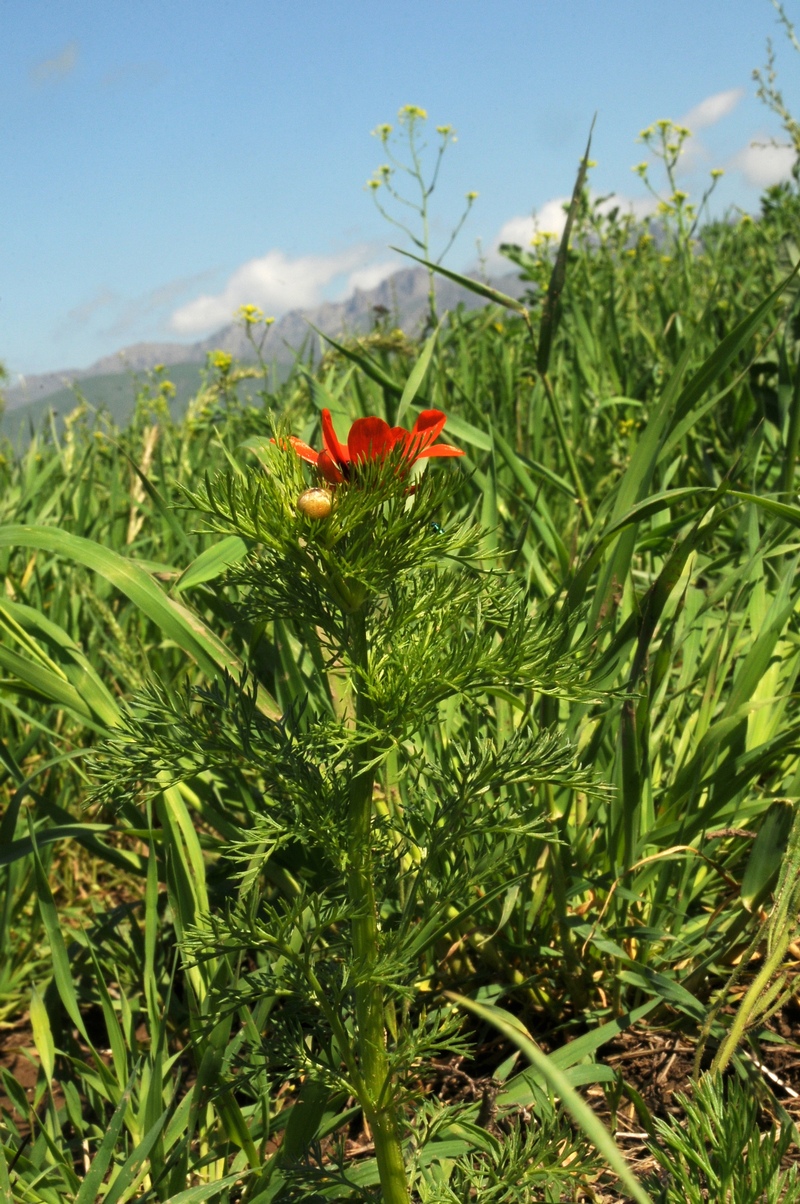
(113, 392)
(404, 296)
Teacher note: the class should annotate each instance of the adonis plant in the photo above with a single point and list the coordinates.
(384, 801)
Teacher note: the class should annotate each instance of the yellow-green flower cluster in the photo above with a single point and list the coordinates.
(681, 132)
(381, 175)
(251, 315)
(166, 388)
(542, 237)
(412, 113)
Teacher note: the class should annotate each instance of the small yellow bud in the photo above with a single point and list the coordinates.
(472, 196)
(315, 503)
(716, 172)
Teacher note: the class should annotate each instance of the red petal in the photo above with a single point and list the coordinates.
(426, 430)
(441, 449)
(399, 434)
(430, 423)
(370, 439)
(329, 468)
(303, 450)
(336, 450)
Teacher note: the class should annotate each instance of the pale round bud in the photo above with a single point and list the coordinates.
(315, 503)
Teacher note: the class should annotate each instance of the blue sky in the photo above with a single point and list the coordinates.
(167, 161)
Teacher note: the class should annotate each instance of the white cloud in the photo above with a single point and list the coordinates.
(521, 230)
(110, 315)
(81, 314)
(694, 154)
(154, 304)
(372, 275)
(277, 283)
(551, 218)
(640, 207)
(763, 164)
(58, 67)
(711, 110)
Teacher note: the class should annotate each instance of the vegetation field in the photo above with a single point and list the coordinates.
(398, 824)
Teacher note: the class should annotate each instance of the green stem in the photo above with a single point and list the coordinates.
(749, 1008)
(371, 1034)
(792, 441)
(572, 465)
(559, 875)
(779, 931)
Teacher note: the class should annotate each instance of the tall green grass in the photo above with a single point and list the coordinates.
(639, 478)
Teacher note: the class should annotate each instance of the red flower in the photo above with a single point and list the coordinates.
(374, 439)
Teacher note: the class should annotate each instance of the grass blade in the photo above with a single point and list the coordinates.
(178, 624)
(558, 1082)
(213, 561)
(62, 971)
(552, 302)
(90, 1188)
(416, 376)
(475, 286)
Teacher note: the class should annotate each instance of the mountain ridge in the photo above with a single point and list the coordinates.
(403, 295)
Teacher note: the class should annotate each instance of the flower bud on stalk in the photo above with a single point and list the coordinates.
(315, 503)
